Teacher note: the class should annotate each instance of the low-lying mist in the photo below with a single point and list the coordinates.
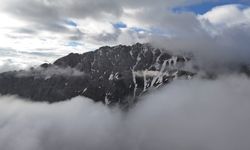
(195, 114)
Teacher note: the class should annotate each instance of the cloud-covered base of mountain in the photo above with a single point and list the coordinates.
(185, 115)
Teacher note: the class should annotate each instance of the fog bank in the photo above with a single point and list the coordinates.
(195, 114)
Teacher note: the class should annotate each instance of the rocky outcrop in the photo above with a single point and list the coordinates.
(109, 74)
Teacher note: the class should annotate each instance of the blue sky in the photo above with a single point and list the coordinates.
(203, 7)
(71, 23)
(119, 25)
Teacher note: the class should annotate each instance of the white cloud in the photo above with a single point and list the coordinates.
(40, 27)
(50, 72)
(218, 40)
(227, 16)
(75, 124)
(195, 114)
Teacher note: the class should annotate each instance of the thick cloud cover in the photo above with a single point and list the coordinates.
(37, 28)
(55, 28)
(195, 114)
(219, 37)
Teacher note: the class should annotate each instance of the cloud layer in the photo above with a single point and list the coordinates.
(195, 114)
(37, 28)
(218, 39)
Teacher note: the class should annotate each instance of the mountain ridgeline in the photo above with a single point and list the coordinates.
(112, 75)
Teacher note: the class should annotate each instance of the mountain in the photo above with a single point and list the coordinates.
(112, 75)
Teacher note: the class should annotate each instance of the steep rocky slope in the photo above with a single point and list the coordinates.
(112, 75)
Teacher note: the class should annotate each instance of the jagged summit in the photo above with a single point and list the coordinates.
(108, 74)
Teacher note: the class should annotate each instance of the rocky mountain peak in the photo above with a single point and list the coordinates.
(108, 74)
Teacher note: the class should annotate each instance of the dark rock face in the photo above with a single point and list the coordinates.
(109, 74)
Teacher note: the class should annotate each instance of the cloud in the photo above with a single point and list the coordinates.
(228, 15)
(8, 65)
(75, 124)
(12, 59)
(52, 26)
(217, 39)
(50, 72)
(31, 25)
(195, 114)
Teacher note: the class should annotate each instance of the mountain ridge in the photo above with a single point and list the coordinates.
(108, 74)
